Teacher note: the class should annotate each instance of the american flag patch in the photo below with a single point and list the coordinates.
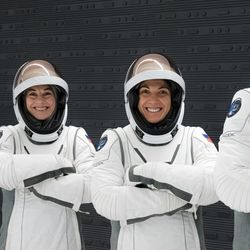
(207, 138)
(87, 136)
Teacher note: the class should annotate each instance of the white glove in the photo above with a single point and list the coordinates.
(32, 169)
(66, 191)
(131, 180)
(184, 181)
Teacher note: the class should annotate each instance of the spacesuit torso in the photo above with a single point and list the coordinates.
(161, 231)
(143, 224)
(37, 223)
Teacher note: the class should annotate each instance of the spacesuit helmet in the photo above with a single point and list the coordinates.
(151, 67)
(35, 73)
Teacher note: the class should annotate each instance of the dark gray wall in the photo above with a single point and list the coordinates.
(93, 42)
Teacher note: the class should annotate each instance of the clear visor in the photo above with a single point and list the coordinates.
(37, 72)
(34, 69)
(148, 63)
(152, 66)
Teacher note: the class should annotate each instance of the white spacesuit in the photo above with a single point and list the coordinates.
(45, 168)
(233, 166)
(151, 177)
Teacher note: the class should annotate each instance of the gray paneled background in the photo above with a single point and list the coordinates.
(93, 42)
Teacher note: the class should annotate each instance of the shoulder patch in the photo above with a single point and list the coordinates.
(102, 142)
(234, 107)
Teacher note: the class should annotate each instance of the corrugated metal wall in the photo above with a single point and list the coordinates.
(93, 42)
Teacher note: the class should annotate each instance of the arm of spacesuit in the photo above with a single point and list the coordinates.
(193, 183)
(74, 189)
(20, 170)
(85, 152)
(27, 170)
(66, 190)
(115, 201)
(232, 173)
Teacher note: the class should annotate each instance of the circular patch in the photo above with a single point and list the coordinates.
(234, 107)
(102, 142)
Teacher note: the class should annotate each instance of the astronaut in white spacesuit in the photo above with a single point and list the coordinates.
(152, 175)
(233, 167)
(44, 165)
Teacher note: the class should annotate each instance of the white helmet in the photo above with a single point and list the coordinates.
(33, 73)
(149, 67)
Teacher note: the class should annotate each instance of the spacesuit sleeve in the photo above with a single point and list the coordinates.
(85, 152)
(115, 201)
(65, 191)
(193, 183)
(20, 170)
(74, 189)
(232, 173)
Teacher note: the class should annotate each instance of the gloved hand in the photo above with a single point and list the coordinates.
(135, 181)
(66, 165)
(127, 181)
(32, 169)
(185, 181)
(66, 190)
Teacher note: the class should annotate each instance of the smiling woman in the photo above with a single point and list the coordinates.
(153, 174)
(40, 96)
(41, 101)
(45, 165)
(154, 100)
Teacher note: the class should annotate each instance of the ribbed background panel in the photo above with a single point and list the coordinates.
(92, 42)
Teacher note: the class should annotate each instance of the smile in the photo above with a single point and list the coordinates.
(153, 110)
(40, 108)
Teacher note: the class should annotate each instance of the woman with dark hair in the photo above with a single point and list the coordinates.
(152, 175)
(45, 165)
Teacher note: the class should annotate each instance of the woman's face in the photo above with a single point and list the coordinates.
(154, 100)
(41, 101)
